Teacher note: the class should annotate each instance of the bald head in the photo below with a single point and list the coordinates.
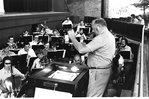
(98, 25)
(99, 21)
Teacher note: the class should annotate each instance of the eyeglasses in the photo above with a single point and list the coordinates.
(7, 63)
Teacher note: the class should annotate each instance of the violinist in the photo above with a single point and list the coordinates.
(37, 61)
(6, 72)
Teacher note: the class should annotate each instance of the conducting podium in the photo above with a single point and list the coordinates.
(60, 78)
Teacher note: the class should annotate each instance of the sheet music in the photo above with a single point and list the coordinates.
(63, 75)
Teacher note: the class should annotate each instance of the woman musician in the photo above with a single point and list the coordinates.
(10, 78)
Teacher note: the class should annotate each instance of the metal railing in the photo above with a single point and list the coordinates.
(140, 82)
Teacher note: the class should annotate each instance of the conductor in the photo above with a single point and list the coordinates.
(100, 54)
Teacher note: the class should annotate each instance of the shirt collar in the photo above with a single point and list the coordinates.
(103, 30)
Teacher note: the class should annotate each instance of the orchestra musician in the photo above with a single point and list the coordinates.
(11, 44)
(47, 48)
(128, 63)
(37, 62)
(36, 41)
(30, 53)
(6, 52)
(78, 61)
(9, 78)
(67, 21)
(80, 26)
(27, 50)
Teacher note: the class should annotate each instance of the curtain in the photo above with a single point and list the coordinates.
(27, 5)
(37, 5)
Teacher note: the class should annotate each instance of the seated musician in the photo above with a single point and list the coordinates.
(5, 77)
(36, 41)
(67, 22)
(48, 31)
(46, 48)
(26, 33)
(125, 47)
(6, 52)
(38, 61)
(77, 60)
(80, 26)
(56, 32)
(11, 44)
(27, 50)
(127, 62)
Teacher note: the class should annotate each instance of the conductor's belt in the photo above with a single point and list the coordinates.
(108, 67)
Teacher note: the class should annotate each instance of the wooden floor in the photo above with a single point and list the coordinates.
(146, 58)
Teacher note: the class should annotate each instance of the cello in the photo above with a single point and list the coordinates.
(13, 85)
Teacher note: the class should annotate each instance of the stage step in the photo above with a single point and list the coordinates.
(126, 93)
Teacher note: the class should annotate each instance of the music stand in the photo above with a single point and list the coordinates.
(23, 63)
(56, 54)
(56, 40)
(70, 52)
(86, 31)
(67, 26)
(15, 60)
(44, 38)
(125, 54)
(27, 38)
(35, 47)
(78, 39)
(31, 60)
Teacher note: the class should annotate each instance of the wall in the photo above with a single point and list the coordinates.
(59, 6)
(85, 7)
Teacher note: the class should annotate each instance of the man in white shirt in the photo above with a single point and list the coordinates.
(36, 41)
(100, 54)
(27, 50)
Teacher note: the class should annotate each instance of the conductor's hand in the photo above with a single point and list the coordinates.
(71, 34)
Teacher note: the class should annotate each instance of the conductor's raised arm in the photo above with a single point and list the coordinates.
(80, 47)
